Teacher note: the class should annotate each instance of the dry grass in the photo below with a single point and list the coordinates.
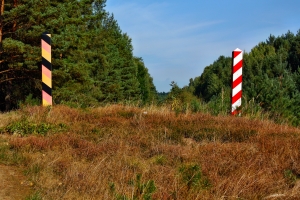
(98, 153)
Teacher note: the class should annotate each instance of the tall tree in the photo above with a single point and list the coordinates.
(148, 90)
(92, 59)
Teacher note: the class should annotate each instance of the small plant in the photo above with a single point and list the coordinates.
(160, 159)
(192, 177)
(291, 177)
(141, 190)
(34, 170)
(35, 196)
(9, 156)
(4, 153)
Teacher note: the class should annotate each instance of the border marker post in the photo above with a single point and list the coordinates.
(237, 69)
(46, 69)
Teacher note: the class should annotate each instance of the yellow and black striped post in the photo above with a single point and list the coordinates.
(46, 69)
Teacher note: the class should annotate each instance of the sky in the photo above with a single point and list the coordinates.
(177, 39)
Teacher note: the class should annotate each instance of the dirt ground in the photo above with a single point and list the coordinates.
(13, 185)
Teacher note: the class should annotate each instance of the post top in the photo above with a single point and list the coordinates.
(237, 49)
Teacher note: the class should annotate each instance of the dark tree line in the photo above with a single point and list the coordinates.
(92, 58)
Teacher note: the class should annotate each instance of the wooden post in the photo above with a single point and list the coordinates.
(46, 69)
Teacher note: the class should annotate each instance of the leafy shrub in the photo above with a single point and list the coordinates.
(195, 106)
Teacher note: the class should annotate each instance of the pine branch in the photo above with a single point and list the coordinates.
(16, 78)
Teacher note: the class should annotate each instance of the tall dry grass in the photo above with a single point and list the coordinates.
(99, 153)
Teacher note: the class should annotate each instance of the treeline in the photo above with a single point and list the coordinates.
(93, 64)
(92, 58)
(271, 81)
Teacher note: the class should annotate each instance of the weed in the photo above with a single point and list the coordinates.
(4, 153)
(10, 156)
(17, 158)
(160, 159)
(192, 177)
(34, 196)
(33, 170)
(142, 190)
(290, 177)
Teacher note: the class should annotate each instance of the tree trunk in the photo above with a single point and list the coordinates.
(1, 25)
(15, 22)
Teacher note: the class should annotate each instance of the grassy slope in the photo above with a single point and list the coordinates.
(118, 151)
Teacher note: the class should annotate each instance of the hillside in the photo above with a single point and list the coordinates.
(126, 152)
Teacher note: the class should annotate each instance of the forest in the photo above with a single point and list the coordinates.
(271, 80)
(93, 65)
(92, 58)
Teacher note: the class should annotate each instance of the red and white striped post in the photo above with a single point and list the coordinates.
(236, 95)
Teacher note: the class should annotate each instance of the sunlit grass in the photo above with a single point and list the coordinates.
(99, 153)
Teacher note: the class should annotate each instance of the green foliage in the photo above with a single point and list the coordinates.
(182, 99)
(193, 178)
(148, 90)
(220, 103)
(30, 101)
(4, 153)
(195, 106)
(25, 127)
(33, 170)
(270, 81)
(10, 156)
(291, 177)
(142, 190)
(92, 58)
(160, 159)
(34, 196)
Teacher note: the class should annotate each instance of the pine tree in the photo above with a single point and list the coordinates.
(92, 59)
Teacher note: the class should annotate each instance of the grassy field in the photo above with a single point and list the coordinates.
(126, 152)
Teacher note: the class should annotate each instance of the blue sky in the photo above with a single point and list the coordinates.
(177, 39)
